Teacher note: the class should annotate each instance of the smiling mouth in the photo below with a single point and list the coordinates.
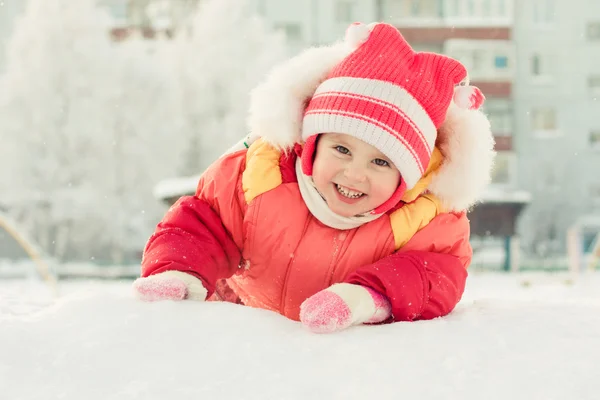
(348, 193)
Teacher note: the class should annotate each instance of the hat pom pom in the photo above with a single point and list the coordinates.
(358, 33)
(468, 97)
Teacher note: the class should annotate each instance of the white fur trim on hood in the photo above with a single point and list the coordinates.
(465, 138)
(277, 105)
(467, 143)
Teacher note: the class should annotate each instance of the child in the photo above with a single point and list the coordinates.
(350, 208)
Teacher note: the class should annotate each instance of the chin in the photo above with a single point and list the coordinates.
(347, 212)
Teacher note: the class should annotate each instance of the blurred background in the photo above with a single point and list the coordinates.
(111, 109)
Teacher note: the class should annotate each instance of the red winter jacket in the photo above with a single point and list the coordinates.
(248, 224)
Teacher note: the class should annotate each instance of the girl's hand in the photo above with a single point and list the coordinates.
(169, 285)
(343, 305)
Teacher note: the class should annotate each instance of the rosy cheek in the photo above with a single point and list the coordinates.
(321, 179)
(384, 188)
(325, 171)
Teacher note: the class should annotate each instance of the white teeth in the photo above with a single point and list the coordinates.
(348, 193)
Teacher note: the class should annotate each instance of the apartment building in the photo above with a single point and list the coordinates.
(479, 33)
(556, 109)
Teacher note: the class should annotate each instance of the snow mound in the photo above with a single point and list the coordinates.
(98, 342)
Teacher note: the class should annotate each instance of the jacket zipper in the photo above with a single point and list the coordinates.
(289, 268)
(341, 237)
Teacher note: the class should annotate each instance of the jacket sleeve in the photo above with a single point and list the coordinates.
(426, 278)
(201, 234)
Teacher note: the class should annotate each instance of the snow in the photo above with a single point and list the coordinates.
(512, 337)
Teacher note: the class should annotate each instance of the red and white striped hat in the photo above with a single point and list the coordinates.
(387, 95)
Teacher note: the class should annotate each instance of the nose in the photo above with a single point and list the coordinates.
(355, 173)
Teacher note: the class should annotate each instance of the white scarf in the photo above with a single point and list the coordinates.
(320, 210)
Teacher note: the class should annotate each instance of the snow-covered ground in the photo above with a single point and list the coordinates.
(512, 337)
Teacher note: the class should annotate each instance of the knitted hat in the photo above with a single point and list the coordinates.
(387, 95)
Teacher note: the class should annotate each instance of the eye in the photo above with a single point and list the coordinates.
(342, 149)
(381, 163)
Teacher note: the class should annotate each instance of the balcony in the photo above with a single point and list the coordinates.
(494, 89)
(429, 14)
(441, 34)
(503, 143)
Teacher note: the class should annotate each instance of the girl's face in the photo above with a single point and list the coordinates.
(353, 176)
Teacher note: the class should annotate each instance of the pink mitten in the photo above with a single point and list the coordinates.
(169, 285)
(341, 306)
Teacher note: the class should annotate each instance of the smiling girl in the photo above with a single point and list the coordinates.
(350, 208)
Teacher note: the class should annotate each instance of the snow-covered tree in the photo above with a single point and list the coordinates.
(142, 147)
(49, 114)
(88, 127)
(222, 52)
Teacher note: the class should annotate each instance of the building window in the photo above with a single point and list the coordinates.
(501, 122)
(344, 11)
(593, 31)
(595, 139)
(402, 9)
(425, 8)
(439, 8)
(595, 194)
(536, 65)
(543, 122)
(472, 59)
(478, 59)
(486, 60)
(500, 115)
(471, 7)
(543, 12)
(392, 9)
(540, 68)
(501, 62)
(502, 8)
(415, 8)
(453, 8)
(503, 171)
(594, 85)
(486, 8)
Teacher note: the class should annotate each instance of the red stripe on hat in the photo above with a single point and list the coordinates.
(421, 158)
(379, 102)
(378, 115)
